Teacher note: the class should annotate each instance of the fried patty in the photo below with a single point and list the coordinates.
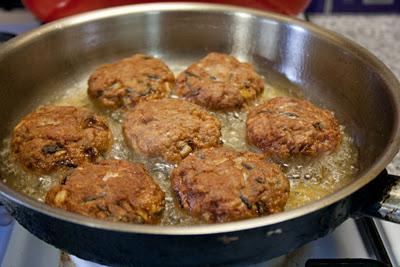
(221, 184)
(286, 126)
(54, 138)
(170, 129)
(130, 81)
(219, 82)
(114, 190)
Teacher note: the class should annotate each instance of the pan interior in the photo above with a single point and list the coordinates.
(53, 67)
(310, 178)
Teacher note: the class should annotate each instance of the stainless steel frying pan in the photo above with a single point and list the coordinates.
(331, 70)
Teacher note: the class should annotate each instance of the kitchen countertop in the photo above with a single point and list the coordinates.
(378, 33)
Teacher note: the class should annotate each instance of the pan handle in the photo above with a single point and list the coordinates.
(387, 206)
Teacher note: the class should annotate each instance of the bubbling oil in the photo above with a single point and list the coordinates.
(310, 178)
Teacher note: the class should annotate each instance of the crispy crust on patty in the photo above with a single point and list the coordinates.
(170, 129)
(115, 190)
(285, 126)
(130, 81)
(221, 184)
(219, 82)
(54, 138)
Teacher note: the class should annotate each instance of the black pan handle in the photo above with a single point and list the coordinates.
(385, 194)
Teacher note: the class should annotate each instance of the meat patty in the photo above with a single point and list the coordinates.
(114, 190)
(54, 138)
(285, 126)
(219, 82)
(221, 184)
(130, 81)
(170, 129)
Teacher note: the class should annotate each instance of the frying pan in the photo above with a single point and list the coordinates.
(331, 70)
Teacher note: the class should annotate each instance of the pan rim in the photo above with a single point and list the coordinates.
(355, 49)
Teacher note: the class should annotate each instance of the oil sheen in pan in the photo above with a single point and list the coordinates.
(310, 179)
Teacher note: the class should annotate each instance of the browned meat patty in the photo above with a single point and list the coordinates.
(170, 129)
(219, 82)
(115, 190)
(285, 126)
(221, 184)
(54, 138)
(129, 81)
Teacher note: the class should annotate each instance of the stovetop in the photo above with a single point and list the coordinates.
(361, 239)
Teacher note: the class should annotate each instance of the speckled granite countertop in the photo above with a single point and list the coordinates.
(378, 33)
